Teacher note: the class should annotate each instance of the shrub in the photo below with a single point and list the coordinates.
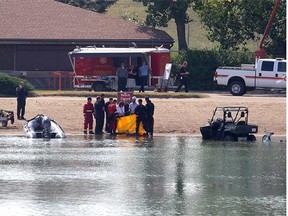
(8, 85)
(203, 63)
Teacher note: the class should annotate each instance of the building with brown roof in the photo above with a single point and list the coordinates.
(36, 35)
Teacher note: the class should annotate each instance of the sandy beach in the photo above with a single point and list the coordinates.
(172, 116)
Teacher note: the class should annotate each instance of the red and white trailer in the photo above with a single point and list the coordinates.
(95, 68)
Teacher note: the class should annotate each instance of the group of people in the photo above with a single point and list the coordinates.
(127, 77)
(113, 110)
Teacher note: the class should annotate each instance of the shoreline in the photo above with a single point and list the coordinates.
(280, 137)
(173, 116)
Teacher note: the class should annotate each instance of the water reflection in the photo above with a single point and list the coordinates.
(106, 175)
(180, 178)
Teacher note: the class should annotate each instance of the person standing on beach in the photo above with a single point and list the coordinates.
(183, 75)
(112, 117)
(22, 94)
(106, 113)
(88, 111)
(140, 111)
(99, 114)
(122, 75)
(143, 74)
(150, 116)
(133, 105)
(120, 109)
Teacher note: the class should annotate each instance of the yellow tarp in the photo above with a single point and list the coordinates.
(127, 124)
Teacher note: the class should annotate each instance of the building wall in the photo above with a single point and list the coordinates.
(47, 57)
(35, 57)
(6, 57)
(35, 62)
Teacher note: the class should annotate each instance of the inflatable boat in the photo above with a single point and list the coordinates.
(42, 126)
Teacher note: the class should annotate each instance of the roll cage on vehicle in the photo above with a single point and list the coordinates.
(96, 67)
(235, 115)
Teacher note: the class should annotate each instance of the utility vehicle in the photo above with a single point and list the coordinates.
(6, 116)
(229, 124)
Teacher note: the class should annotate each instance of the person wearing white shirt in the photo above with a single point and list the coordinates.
(133, 105)
(120, 109)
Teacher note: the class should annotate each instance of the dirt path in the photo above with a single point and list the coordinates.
(172, 116)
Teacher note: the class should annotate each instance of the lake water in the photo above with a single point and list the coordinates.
(128, 176)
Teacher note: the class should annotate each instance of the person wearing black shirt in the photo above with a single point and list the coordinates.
(150, 114)
(122, 75)
(141, 113)
(183, 74)
(107, 128)
(131, 83)
(99, 114)
(22, 94)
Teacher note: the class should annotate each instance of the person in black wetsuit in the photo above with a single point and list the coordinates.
(107, 128)
(150, 114)
(141, 113)
(99, 114)
(22, 94)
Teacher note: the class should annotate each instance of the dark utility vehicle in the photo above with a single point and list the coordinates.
(229, 124)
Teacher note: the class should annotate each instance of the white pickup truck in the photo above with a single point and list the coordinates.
(268, 73)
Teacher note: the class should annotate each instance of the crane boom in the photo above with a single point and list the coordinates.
(260, 52)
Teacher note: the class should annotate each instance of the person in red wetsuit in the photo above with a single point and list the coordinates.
(112, 117)
(88, 110)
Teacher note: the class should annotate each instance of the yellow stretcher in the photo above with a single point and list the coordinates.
(127, 125)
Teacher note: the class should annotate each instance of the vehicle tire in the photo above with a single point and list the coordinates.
(251, 138)
(4, 123)
(98, 86)
(237, 88)
(229, 138)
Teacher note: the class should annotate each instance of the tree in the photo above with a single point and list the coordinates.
(160, 12)
(132, 17)
(232, 23)
(99, 6)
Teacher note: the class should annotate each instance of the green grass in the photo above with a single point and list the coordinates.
(152, 94)
(196, 38)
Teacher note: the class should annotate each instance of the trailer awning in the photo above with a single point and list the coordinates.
(115, 52)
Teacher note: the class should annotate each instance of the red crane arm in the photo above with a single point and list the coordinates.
(260, 52)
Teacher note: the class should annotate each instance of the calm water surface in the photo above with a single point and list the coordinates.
(126, 176)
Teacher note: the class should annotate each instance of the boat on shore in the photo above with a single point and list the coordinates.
(42, 126)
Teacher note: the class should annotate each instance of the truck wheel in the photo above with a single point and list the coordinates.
(251, 138)
(237, 88)
(229, 138)
(4, 123)
(98, 86)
